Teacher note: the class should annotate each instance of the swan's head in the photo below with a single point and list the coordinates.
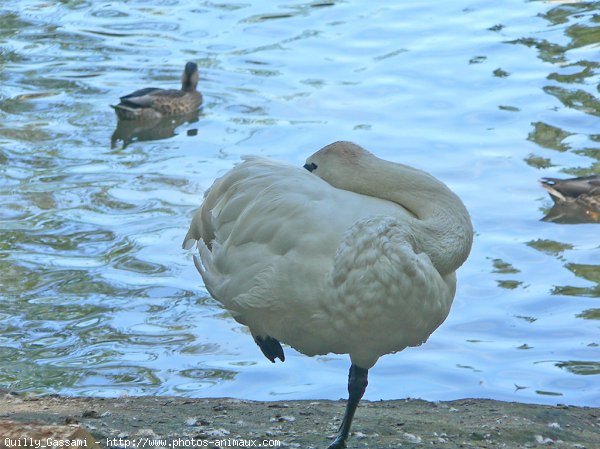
(338, 162)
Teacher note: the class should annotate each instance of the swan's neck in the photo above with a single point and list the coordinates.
(441, 227)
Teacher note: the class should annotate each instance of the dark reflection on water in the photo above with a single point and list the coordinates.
(571, 213)
(140, 131)
(96, 296)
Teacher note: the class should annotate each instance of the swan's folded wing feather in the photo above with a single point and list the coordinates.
(247, 222)
(396, 295)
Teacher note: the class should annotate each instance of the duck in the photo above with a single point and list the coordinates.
(583, 191)
(349, 254)
(155, 103)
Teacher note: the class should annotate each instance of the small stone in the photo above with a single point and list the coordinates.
(415, 439)
(190, 422)
(217, 433)
(147, 433)
(541, 440)
(286, 419)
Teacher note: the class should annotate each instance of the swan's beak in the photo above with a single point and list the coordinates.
(310, 167)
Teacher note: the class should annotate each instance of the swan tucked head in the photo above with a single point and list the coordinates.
(348, 166)
(338, 163)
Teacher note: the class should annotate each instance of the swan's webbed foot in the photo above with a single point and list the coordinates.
(270, 347)
(357, 384)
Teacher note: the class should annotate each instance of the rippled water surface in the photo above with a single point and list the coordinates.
(97, 297)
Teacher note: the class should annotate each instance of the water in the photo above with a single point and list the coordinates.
(99, 299)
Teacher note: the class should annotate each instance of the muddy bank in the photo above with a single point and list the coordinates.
(145, 421)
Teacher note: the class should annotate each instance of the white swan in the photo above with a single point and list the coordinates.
(354, 256)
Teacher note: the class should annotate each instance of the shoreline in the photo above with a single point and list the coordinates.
(480, 423)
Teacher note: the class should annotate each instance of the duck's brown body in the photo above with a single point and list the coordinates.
(153, 103)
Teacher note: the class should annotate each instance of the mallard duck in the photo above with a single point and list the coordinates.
(350, 255)
(584, 191)
(153, 103)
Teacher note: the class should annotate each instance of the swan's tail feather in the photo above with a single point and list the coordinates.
(194, 233)
(188, 243)
(198, 265)
(205, 265)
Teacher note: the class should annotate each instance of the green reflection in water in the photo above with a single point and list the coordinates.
(590, 314)
(529, 319)
(548, 393)
(538, 162)
(549, 246)
(500, 266)
(503, 267)
(588, 272)
(509, 285)
(584, 368)
(575, 99)
(549, 136)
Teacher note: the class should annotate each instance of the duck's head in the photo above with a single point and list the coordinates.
(189, 77)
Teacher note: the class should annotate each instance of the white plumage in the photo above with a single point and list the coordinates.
(356, 257)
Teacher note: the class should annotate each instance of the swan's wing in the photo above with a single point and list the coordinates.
(251, 219)
(268, 235)
(238, 191)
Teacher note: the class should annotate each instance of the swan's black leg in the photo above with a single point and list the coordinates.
(270, 347)
(357, 384)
